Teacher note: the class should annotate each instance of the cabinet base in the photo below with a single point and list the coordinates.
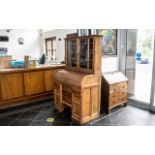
(25, 100)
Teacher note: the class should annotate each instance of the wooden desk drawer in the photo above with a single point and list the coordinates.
(66, 88)
(117, 98)
(76, 111)
(114, 95)
(113, 89)
(57, 88)
(76, 98)
(113, 101)
(123, 99)
(123, 92)
(66, 96)
(123, 86)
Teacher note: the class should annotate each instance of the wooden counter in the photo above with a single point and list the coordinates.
(21, 86)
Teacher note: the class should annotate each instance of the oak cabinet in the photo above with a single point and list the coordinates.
(82, 54)
(21, 86)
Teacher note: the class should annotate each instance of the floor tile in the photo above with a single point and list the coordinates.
(45, 123)
(58, 124)
(14, 116)
(5, 122)
(36, 114)
(20, 122)
(29, 115)
(38, 123)
(43, 115)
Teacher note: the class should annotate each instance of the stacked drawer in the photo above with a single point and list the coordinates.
(57, 94)
(66, 95)
(118, 94)
(114, 91)
(76, 103)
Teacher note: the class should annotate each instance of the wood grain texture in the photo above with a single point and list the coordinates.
(78, 93)
(22, 86)
(49, 84)
(34, 82)
(114, 94)
(77, 87)
(97, 54)
(12, 86)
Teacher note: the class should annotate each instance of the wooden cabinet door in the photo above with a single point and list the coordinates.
(71, 53)
(49, 83)
(84, 53)
(34, 82)
(12, 86)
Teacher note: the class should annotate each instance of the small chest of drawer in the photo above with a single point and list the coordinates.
(118, 87)
(114, 90)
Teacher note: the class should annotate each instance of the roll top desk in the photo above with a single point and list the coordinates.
(79, 84)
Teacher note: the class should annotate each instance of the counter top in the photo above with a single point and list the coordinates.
(39, 67)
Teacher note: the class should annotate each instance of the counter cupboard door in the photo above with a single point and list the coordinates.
(12, 86)
(49, 83)
(34, 82)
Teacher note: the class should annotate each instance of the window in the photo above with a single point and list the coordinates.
(51, 48)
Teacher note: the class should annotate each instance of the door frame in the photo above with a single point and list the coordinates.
(152, 99)
(122, 68)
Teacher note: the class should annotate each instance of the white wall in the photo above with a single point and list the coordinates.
(108, 63)
(32, 43)
(60, 45)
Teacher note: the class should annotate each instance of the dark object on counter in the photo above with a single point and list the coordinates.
(42, 59)
(62, 62)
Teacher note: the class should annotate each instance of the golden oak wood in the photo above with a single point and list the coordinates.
(12, 86)
(34, 82)
(80, 91)
(79, 84)
(21, 86)
(96, 49)
(49, 84)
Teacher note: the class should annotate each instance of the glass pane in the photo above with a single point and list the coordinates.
(72, 54)
(91, 53)
(83, 53)
(139, 63)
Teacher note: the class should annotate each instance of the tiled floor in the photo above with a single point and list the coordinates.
(36, 114)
